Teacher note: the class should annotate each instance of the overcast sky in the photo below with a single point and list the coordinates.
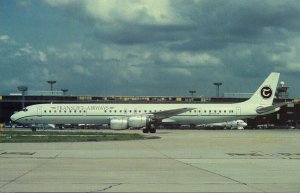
(155, 47)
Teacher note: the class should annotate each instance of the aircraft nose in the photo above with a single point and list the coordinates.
(14, 117)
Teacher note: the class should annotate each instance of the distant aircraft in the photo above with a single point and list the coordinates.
(150, 116)
(236, 124)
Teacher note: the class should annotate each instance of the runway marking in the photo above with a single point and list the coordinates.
(223, 176)
(20, 176)
(245, 154)
(262, 154)
(32, 169)
(109, 187)
(191, 165)
(202, 169)
(17, 153)
(289, 154)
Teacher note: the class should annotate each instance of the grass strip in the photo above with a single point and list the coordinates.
(64, 136)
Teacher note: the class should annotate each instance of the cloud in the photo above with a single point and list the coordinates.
(127, 22)
(42, 56)
(190, 59)
(4, 38)
(286, 56)
(79, 69)
(11, 83)
(142, 11)
(22, 64)
(143, 47)
(30, 53)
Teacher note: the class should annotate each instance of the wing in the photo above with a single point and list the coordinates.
(169, 113)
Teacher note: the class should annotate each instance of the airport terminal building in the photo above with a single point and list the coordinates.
(287, 117)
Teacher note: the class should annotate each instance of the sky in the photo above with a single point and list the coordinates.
(148, 47)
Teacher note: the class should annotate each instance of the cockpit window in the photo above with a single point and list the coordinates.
(25, 109)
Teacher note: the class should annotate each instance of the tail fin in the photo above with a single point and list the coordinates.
(265, 93)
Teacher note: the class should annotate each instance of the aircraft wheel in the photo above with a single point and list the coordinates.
(153, 130)
(145, 130)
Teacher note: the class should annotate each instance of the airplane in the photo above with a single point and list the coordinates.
(236, 124)
(149, 116)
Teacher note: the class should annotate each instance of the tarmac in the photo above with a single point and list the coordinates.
(179, 161)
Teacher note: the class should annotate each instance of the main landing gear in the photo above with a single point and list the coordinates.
(150, 128)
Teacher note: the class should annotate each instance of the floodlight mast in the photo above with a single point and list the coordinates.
(218, 84)
(192, 92)
(64, 91)
(23, 89)
(51, 82)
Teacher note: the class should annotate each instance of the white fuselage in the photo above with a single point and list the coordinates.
(103, 113)
(140, 115)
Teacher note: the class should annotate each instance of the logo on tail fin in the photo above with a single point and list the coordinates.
(266, 92)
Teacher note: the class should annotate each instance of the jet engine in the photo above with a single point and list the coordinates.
(138, 121)
(119, 123)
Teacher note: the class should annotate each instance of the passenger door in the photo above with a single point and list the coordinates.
(39, 111)
(238, 110)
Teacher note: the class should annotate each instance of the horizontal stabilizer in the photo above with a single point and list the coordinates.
(274, 108)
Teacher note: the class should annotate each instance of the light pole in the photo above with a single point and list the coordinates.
(64, 91)
(23, 89)
(192, 92)
(218, 84)
(51, 82)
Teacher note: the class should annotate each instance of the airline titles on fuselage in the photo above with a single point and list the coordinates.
(82, 108)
